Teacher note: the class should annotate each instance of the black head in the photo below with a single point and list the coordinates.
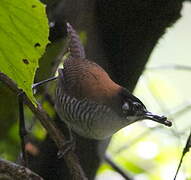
(133, 109)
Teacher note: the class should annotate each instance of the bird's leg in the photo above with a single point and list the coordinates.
(68, 145)
(22, 130)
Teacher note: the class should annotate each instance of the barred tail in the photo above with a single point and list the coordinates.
(76, 47)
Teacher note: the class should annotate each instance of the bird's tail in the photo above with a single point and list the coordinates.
(75, 46)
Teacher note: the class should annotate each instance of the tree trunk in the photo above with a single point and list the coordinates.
(120, 37)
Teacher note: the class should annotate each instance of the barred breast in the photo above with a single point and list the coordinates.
(86, 97)
(85, 117)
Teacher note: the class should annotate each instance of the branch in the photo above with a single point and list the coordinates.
(116, 168)
(10, 170)
(57, 136)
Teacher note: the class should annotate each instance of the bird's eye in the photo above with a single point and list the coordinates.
(125, 106)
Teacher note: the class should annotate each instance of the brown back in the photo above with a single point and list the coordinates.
(85, 79)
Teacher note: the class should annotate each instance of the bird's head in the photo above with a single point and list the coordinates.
(133, 109)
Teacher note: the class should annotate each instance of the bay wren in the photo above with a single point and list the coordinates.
(89, 102)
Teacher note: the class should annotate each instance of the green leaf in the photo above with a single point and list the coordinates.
(23, 38)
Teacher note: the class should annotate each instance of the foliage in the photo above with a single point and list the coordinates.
(24, 36)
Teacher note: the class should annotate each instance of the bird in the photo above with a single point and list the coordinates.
(90, 102)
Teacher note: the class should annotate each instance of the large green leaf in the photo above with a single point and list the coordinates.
(23, 38)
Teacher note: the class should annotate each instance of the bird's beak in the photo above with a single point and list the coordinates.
(159, 119)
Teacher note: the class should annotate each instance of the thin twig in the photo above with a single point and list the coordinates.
(70, 158)
(160, 103)
(43, 82)
(185, 150)
(178, 168)
(172, 66)
(116, 167)
(16, 172)
(180, 109)
(22, 130)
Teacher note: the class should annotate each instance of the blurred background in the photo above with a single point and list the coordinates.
(147, 150)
